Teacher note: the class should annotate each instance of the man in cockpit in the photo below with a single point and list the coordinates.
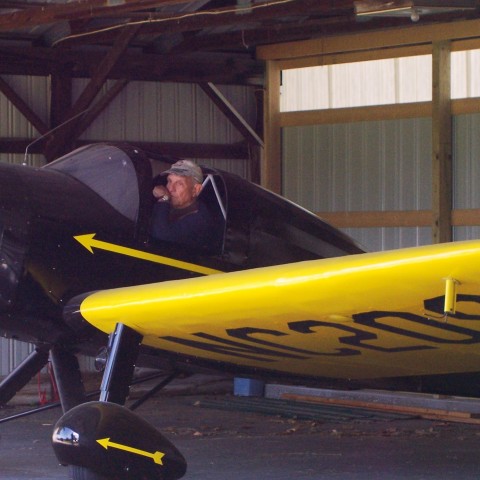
(179, 216)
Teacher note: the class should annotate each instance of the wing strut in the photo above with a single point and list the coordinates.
(450, 306)
(153, 391)
(123, 349)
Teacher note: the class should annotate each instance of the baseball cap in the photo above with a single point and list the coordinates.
(186, 168)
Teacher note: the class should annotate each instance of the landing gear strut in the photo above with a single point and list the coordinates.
(104, 440)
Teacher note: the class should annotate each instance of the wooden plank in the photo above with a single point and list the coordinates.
(236, 151)
(442, 170)
(271, 167)
(373, 113)
(356, 42)
(355, 114)
(60, 95)
(464, 106)
(430, 413)
(397, 218)
(368, 55)
(420, 218)
(466, 217)
(352, 57)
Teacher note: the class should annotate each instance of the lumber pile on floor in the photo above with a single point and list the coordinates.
(428, 413)
(434, 407)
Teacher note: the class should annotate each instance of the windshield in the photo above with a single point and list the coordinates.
(108, 171)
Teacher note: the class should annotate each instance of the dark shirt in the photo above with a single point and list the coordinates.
(193, 226)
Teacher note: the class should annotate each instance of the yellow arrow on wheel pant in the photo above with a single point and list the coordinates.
(88, 241)
(156, 457)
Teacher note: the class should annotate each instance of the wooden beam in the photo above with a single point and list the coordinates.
(231, 113)
(352, 57)
(256, 153)
(64, 138)
(442, 187)
(22, 107)
(271, 168)
(61, 87)
(379, 39)
(236, 151)
(398, 218)
(355, 114)
(393, 218)
(368, 113)
(85, 9)
(103, 70)
(218, 67)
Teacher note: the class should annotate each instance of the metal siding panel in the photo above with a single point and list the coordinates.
(362, 166)
(168, 112)
(466, 169)
(35, 92)
(12, 352)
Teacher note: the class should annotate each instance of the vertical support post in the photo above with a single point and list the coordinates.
(442, 196)
(123, 349)
(256, 152)
(271, 169)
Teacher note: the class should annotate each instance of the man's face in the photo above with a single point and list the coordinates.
(183, 190)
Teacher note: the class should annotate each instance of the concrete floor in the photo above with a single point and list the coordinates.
(224, 444)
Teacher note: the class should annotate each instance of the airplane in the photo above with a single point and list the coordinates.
(282, 295)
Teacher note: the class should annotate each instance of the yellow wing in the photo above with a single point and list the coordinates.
(361, 316)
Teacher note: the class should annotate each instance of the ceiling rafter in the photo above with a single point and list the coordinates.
(22, 106)
(162, 23)
(40, 15)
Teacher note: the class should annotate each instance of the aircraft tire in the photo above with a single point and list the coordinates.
(82, 473)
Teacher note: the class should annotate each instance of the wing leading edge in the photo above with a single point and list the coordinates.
(361, 316)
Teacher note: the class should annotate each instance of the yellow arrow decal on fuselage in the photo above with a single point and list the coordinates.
(156, 456)
(88, 241)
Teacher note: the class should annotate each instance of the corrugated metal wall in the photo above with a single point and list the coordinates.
(143, 111)
(35, 92)
(379, 165)
(361, 167)
(167, 112)
(466, 169)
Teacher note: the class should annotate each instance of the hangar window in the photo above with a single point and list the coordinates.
(375, 82)
(108, 171)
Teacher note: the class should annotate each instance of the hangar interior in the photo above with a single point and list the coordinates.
(366, 113)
